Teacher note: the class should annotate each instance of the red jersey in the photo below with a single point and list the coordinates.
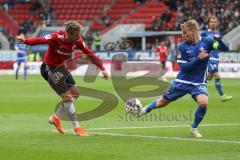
(60, 50)
(161, 51)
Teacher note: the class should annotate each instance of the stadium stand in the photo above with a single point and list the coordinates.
(7, 23)
(78, 9)
(227, 12)
(146, 13)
(22, 12)
(101, 15)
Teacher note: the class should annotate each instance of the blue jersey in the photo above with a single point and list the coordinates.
(214, 53)
(193, 70)
(21, 50)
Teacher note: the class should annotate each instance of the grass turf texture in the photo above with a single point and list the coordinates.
(25, 134)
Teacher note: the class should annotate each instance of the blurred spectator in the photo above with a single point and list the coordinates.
(140, 1)
(35, 6)
(24, 1)
(171, 4)
(43, 15)
(162, 22)
(5, 5)
(49, 20)
(88, 38)
(11, 40)
(97, 42)
(150, 46)
(11, 3)
(28, 26)
(166, 16)
(46, 14)
(22, 29)
(227, 12)
(104, 19)
(4, 31)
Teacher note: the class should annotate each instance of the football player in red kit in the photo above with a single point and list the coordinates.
(162, 52)
(61, 44)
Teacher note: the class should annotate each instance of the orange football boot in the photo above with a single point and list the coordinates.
(80, 132)
(54, 120)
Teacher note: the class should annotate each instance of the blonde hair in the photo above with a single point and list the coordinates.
(211, 17)
(191, 24)
(72, 26)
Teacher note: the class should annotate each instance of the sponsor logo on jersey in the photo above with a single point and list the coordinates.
(63, 53)
(48, 37)
(189, 51)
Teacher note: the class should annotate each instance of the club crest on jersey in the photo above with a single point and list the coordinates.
(178, 54)
(74, 47)
(201, 48)
(48, 37)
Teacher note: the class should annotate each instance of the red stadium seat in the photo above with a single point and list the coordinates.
(98, 27)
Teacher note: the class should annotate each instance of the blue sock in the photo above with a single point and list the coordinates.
(25, 73)
(219, 87)
(199, 116)
(17, 73)
(151, 106)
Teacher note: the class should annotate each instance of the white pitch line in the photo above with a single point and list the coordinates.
(172, 126)
(168, 138)
(161, 137)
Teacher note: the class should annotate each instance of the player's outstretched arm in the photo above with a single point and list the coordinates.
(97, 61)
(31, 41)
(188, 66)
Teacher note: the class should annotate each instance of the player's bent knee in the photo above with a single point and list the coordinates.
(75, 92)
(202, 100)
(203, 103)
(209, 77)
(162, 102)
(67, 97)
(217, 77)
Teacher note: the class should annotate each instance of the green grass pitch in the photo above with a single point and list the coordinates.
(25, 133)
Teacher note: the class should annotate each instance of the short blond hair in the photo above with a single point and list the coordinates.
(191, 24)
(72, 26)
(211, 17)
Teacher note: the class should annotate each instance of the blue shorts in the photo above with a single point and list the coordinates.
(21, 61)
(213, 66)
(177, 90)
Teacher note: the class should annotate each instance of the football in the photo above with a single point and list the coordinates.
(133, 106)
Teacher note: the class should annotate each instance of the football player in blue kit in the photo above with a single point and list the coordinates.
(22, 57)
(193, 57)
(214, 58)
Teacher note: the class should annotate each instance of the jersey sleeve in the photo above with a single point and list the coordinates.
(35, 41)
(218, 45)
(50, 38)
(181, 54)
(95, 60)
(203, 34)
